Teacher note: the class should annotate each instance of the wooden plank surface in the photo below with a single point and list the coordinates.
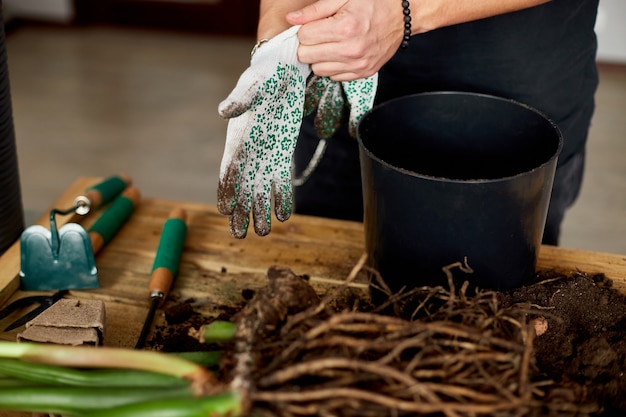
(215, 267)
(570, 260)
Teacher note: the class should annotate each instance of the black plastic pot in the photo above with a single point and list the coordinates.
(449, 176)
(11, 211)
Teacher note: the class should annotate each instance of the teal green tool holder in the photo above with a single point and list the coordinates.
(57, 259)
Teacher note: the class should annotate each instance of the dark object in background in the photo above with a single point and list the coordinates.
(11, 209)
(43, 301)
(448, 176)
(227, 17)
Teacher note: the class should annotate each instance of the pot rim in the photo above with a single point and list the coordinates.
(519, 104)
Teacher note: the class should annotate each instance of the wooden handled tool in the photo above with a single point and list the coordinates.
(113, 218)
(102, 193)
(165, 267)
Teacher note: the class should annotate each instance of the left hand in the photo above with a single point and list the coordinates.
(348, 39)
(265, 112)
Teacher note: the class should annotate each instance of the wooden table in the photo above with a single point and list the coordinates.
(215, 267)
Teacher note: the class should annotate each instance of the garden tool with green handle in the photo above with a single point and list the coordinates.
(265, 113)
(118, 212)
(165, 266)
(102, 193)
(65, 258)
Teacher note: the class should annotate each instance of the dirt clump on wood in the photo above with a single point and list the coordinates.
(554, 348)
(180, 316)
(585, 340)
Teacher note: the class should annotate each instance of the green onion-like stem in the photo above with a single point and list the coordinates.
(59, 375)
(218, 331)
(202, 380)
(224, 404)
(78, 400)
(208, 359)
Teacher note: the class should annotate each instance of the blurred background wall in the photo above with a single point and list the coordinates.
(106, 86)
(239, 17)
(235, 17)
(61, 11)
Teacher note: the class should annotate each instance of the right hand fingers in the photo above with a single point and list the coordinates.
(318, 10)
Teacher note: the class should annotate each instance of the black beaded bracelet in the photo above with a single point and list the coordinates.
(407, 24)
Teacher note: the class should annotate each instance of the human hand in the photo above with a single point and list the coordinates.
(265, 113)
(347, 39)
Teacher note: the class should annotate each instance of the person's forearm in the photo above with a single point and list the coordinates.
(434, 14)
(272, 16)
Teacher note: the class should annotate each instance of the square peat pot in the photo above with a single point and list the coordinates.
(449, 176)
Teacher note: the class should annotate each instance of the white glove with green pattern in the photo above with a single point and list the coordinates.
(332, 99)
(265, 111)
(360, 95)
(329, 98)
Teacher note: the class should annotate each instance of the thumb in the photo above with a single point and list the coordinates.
(321, 9)
(242, 97)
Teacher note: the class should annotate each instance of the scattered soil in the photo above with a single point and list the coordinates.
(585, 339)
(181, 317)
(557, 348)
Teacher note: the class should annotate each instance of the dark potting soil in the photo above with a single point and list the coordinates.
(585, 338)
(181, 317)
(580, 334)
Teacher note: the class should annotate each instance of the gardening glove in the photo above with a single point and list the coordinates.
(265, 112)
(329, 98)
(332, 99)
(360, 95)
(326, 96)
